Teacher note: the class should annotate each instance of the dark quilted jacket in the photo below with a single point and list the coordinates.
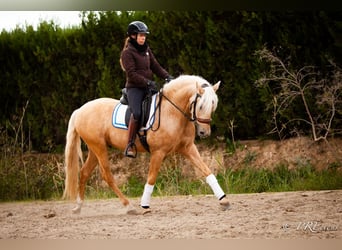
(140, 66)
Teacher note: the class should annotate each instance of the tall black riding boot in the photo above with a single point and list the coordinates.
(131, 150)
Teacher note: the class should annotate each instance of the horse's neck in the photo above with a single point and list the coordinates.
(180, 95)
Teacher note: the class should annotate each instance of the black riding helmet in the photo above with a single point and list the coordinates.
(137, 27)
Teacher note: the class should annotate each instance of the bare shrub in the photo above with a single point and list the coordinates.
(320, 97)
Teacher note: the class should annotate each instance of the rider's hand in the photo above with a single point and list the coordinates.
(169, 78)
(151, 84)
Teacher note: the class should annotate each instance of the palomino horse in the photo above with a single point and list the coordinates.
(185, 104)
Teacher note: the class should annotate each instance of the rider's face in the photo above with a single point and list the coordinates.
(141, 38)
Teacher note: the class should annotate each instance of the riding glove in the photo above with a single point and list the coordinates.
(152, 86)
(169, 78)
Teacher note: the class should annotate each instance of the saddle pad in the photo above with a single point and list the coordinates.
(119, 113)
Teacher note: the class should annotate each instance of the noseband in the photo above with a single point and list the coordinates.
(193, 117)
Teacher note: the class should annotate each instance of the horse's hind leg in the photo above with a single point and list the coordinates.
(102, 156)
(85, 173)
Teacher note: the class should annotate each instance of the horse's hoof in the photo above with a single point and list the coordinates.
(131, 210)
(146, 211)
(224, 204)
(76, 210)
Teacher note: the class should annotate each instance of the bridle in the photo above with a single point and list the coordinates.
(193, 117)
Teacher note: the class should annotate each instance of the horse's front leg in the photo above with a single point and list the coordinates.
(155, 162)
(193, 155)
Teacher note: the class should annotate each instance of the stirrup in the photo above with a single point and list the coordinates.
(134, 150)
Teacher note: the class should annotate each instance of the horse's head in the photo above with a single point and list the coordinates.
(204, 103)
(195, 98)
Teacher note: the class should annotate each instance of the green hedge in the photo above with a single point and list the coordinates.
(47, 73)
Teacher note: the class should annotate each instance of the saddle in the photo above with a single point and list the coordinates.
(145, 117)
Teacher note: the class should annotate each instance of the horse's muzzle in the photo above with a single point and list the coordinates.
(203, 131)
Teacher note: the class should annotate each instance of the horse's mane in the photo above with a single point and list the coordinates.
(185, 80)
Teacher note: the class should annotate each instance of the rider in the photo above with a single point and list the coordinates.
(139, 63)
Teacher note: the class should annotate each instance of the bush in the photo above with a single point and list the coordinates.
(31, 177)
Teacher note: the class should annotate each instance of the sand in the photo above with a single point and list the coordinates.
(283, 215)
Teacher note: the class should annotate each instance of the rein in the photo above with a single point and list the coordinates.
(193, 105)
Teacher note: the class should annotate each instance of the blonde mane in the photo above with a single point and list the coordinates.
(182, 80)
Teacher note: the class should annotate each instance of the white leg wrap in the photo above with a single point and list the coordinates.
(78, 207)
(146, 197)
(215, 186)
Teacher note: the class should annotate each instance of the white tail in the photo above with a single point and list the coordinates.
(72, 155)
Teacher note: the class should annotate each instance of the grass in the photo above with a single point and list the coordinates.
(171, 182)
(244, 180)
(31, 177)
(280, 179)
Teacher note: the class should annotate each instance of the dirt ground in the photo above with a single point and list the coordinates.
(288, 215)
(283, 215)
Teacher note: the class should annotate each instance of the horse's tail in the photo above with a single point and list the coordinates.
(72, 154)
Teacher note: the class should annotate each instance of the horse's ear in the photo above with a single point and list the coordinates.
(200, 89)
(216, 86)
